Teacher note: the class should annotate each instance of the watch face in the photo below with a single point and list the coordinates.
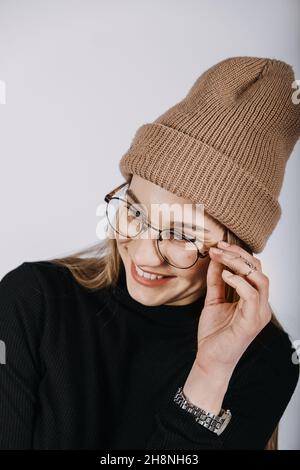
(221, 426)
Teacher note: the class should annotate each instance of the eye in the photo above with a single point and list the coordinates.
(181, 237)
(190, 238)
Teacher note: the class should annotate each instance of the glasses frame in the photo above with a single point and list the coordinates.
(111, 195)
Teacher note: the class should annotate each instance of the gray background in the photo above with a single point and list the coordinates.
(81, 76)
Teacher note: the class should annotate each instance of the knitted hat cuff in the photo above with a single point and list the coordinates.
(164, 155)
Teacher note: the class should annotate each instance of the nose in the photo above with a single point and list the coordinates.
(145, 252)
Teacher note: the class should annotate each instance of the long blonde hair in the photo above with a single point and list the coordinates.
(98, 266)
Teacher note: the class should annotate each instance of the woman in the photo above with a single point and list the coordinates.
(106, 351)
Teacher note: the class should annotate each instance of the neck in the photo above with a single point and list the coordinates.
(169, 314)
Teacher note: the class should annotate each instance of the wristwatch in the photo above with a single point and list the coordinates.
(215, 423)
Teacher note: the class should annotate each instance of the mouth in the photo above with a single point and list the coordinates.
(148, 278)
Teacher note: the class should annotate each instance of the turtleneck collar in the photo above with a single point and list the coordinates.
(172, 315)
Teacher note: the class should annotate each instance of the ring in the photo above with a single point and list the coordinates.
(253, 268)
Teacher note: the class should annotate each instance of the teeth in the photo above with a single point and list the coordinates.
(146, 275)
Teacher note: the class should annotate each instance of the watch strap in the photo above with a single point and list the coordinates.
(215, 423)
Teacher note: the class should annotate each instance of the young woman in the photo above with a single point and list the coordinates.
(156, 340)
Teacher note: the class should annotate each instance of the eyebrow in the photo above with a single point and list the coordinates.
(186, 224)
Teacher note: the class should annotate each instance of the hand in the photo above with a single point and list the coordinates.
(225, 330)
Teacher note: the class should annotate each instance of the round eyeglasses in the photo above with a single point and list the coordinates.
(128, 221)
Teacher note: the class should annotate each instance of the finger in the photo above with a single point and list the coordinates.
(240, 251)
(256, 278)
(215, 285)
(249, 317)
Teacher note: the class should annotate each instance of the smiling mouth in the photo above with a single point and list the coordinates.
(147, 275)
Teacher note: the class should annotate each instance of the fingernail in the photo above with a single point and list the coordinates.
(224, 244)
(227, 273)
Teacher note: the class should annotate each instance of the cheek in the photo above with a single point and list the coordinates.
(197, 274)
(126, 248)
(122, 245)
(122, 249)
(200, 267)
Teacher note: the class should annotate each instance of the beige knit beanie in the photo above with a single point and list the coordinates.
(226, 144)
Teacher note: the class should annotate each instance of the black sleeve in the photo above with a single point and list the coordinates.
(257, 399)
(21, 304)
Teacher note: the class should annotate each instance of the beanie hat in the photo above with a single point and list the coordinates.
(225, 144)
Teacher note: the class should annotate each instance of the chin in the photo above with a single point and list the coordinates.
(145, 295)
(142, 297)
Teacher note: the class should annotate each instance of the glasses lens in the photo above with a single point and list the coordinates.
(124, 218)
(176, 250)
(128, 221)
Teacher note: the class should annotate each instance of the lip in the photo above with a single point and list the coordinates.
(148, 282)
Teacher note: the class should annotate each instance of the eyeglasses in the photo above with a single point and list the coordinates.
(127, 220)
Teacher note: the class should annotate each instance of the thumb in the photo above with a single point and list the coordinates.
(215, 285)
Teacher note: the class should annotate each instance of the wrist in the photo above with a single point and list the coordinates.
(219, 371)
(206, 390)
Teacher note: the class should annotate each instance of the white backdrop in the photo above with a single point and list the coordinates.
(81, 76)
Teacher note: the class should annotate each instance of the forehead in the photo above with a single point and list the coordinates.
(149, 193)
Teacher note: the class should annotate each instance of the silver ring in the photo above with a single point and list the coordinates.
(253, 268)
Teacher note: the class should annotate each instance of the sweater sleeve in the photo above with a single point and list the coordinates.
(257, 397)
(20, 329)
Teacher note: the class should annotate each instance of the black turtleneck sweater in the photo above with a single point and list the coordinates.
(98, 370)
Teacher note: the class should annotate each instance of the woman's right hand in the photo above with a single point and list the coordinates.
(225, 330)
